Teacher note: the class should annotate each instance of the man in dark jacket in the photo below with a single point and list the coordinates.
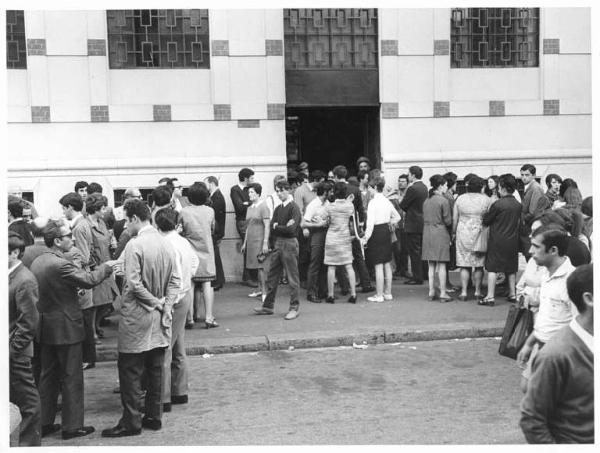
(61, 330)
(22, 322)
(534, 203)
(17, 223)
(412, 204)
(218, 204)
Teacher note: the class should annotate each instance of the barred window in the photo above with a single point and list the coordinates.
(330, 38)
(158, 38)
(16, 47)
(495, 37)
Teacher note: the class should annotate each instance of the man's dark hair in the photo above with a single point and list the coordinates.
(416, 171)
(296, 176)
(552, 176)
(530, 168)
(475, 184)
(580, 281)
(256, 187)
(16, 242)
(283, 185)
(136, 207)
(161, 196)
(362, 159)
(508, 182)
(553, 236)
(378, 183)
(316, 175)
(322, 188)
(95, 202)
(80, 185)
(94, 187)
(245, 173)
(468, 177)
(340, 171)
(198, 193)
(16, 208)
(403, 176)
(166, 219)
(213, 180)
(450, 179)
(52, 231)
(340, 190)
(587, 206)
(72, 199)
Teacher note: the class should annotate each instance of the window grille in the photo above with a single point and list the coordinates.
(158, 38)
(16, 47)
(330, 38)
(495, 37)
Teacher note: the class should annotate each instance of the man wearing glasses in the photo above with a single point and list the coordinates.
(61, 330)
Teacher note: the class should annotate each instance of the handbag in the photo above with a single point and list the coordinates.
(518, 326)
(480, 244)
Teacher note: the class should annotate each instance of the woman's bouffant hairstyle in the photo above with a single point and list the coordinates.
(198, 193)
(256, 187)
(436, 181)
(476, 184)
(568, 182)
(139, 208)
(95, 202)
(340, 190)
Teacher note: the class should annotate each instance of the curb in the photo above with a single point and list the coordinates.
(324, 340)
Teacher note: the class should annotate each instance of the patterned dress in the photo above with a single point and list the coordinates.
(338, 243)
(255, 233)
(468, 212)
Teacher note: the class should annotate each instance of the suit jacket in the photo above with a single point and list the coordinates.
(238, 197)
(218, 204)
(61, 319)
(412, 204)
(534, 203)
(82, 238)
(22, 310)
(358, 204)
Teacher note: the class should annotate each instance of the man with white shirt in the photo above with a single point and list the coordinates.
(175, 370)
(559, 404)
(548, 249)
(315, 222)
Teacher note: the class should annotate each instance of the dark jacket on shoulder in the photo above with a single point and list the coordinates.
(412, 204)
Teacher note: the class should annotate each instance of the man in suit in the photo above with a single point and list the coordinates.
(217, 201)
(16, 222)
(534, 203)
(412, 204)
(240, 200)
(61, 330)
(152, 284)
(22, 321)
(339, 174)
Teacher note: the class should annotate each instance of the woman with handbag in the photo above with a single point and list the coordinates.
(503, 219)
(469, 234)
(437, 219)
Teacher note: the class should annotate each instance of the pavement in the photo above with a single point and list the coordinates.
(408, 317)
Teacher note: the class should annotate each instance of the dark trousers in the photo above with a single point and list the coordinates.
(24, 393)
(303, 256)
(89, 343)
(414, 242)
(316, 281)
(61, 372)
(401, 253)
(220, 280)
(131, 367)
(248, 274)
(284, 256)
(359, 264)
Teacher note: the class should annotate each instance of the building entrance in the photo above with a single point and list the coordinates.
(326, 137)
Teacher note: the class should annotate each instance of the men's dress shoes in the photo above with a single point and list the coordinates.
(49, 429)
(167, 407)
(368, 289)
(83, 431)
(263, 311)
(179, 399)
(151, 423)
(292, 314)
(120, 431)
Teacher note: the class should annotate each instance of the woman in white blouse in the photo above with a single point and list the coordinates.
(381, 221)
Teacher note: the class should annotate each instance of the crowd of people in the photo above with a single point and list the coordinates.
(157, 264)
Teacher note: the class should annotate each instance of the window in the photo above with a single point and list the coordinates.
(16, 47)
(330, 38)
(495, 37)
(158, 38)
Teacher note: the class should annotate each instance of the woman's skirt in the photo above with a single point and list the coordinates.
(379, 246)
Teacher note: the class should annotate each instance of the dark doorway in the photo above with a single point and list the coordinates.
(328, 136)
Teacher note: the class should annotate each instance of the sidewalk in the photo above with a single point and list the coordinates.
(409, 317)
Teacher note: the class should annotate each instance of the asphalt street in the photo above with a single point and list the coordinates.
(438, 392)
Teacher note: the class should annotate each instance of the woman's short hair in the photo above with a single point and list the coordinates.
(95, 202)
(198, 193)
(475, 184)
(340, 190)
(552, 176)
(436, 181)
(256, 187)
(378, 183)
